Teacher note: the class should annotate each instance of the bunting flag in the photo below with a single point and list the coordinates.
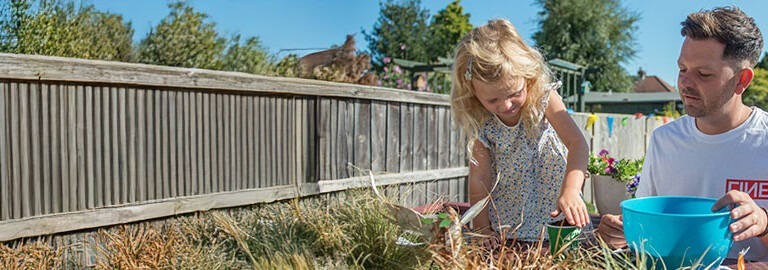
(591, 121)
(638, 115)
(624, 121)
(570, 111)
(657, 118)
(610, 125)
(665, 119)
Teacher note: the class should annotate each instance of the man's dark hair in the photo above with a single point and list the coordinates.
(730, 26)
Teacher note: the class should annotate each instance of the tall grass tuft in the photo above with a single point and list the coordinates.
(34, 255)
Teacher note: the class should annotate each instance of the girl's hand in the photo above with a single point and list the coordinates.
(572, 206)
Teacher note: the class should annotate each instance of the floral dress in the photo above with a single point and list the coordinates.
(531, 172)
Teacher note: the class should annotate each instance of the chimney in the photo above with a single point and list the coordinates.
(641, 73)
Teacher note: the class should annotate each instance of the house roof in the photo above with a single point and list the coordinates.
(653, 84)
(607, 97)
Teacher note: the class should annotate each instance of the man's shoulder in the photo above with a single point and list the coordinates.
(675, 127)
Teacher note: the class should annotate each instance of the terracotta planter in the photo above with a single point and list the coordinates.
(608, 193)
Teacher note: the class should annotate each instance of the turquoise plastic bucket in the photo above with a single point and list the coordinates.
(677, 231)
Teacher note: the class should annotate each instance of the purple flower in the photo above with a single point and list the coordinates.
(632, 186)
(397, 69)
(387, 60)
(603, 153)
(402, 46)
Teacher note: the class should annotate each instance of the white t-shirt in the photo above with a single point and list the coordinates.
(683, 161)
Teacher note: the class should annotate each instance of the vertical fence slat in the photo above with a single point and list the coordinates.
(281, 158)
(420, 138)
(378, 140)
(220, 146)
(131, 126)
(36, 139)
(97, 154)
(68, 164)
(187, 133)
(302, 132)
(15, 156)
(444, 135)
(393, 137)
(25, 178)
(232, 151)
(50, 146)
(90, 149)
(4, 160)
(141, 142)
(242, 141)
(226, 177)
(196, 146)
(250, 140)
(82, 192)
(159, 159)
(432, 132)
(179, 145)
(151, 152)
(406, 148)
(309, 140)
(262, 154)
(106, 124)
(207, 141)
(362, 137)
(5, 174)
(122, 105)
(168, 172)
(56, 130)
(172, 179)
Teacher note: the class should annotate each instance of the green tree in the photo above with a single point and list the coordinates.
(447, 28)
(183, 39)
(757, 93)
(288, 66)
(59, 29)
(400, 32)
(249, 57)
(763, 62)
(598, 34)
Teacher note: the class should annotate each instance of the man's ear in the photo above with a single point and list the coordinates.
(745, 78)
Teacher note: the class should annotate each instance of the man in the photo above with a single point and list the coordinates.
(720, 148)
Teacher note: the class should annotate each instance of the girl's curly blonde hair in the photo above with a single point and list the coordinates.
(495, 53)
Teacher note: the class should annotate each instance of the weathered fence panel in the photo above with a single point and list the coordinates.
(91, 143)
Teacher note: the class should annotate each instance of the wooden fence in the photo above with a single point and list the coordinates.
(86, 144)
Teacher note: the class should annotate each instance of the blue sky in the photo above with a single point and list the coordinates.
(290, 24)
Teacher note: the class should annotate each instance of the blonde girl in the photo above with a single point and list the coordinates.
(518, 130)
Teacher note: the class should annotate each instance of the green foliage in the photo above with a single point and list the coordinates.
(393, 76)
(183, 39)
(249, 57)
(446, 29)
(624, 170)
(57, 28)
(670, 110)
(763, 62)
(598, 34)
(399, 32)
(288, 66)
(757, 93)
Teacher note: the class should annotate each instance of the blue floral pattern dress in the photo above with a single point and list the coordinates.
(531, 172)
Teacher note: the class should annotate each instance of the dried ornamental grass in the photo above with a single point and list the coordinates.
(35, 255)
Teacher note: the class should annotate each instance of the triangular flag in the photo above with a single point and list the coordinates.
(610, 125)
(624, 121)
(591, 121)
